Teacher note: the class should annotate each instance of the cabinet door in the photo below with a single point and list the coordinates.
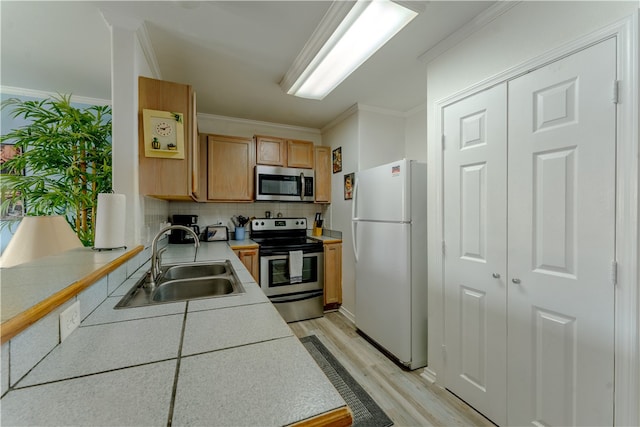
(271, 151)
(165, 178)
(231, 162)
(249, 258)
(196, 189)
(332, 274)
(300, 154)
(323, 174)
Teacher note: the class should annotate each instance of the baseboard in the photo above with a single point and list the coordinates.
(346, 313)
(429, 375)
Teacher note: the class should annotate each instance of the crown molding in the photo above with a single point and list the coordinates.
(147, 50)
(41, 94)
(464, 32)
(114, 18)
(370, 108)
(380, 110)
(416, 109)
(341, 117)
(205, 116)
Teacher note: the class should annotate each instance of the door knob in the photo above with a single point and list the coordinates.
(516, 281)
(496, 275)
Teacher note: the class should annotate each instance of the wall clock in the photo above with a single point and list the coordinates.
(163, 134)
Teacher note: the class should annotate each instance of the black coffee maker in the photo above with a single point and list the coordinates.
(181, 236)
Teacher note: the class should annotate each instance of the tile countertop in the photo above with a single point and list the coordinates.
(23, 287)
(221, 361)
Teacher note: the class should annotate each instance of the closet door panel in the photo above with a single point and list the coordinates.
(561, 228)
(475, 239)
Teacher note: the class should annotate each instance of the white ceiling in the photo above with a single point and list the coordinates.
(233, 53)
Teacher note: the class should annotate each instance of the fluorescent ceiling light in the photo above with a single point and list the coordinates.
(345, 38)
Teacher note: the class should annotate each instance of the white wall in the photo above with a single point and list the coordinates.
(127, 63)
(221, 125)
(344, 135)
(369, 137)
(381, 136)
(524, 32)
(415, 132)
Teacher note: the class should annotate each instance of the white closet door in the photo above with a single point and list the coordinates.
(475, 159)
(561, 206)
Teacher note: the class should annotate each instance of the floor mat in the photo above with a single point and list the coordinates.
(366, 412)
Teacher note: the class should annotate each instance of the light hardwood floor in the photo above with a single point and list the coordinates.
(406, 397)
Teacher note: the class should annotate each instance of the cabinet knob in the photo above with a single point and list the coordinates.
(496, 275)
(516, 281)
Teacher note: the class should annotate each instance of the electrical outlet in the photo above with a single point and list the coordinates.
(69, 320)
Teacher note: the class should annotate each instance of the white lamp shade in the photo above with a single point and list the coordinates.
(37, 237)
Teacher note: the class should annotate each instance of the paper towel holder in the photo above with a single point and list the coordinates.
(110, 219)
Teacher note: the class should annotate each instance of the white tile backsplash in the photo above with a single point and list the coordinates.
(4, 360)
(25, 350)
(33, 344)
(215, 213)
(115, 279)
(92, 297)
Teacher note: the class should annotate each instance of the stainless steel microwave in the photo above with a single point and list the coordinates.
(284, 184)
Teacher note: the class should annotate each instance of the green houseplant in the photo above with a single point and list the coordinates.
(64, 160)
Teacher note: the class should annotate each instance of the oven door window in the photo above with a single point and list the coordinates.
(279, 271)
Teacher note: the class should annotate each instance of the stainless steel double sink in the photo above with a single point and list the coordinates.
(184, 281)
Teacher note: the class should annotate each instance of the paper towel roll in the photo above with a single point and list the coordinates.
(110, 216)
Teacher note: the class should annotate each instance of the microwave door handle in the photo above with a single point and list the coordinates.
(301, 186)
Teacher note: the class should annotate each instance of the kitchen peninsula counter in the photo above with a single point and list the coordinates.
(229, 360)
(26, 297)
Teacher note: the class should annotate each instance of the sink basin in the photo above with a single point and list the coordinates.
(183, 282)
(191, 271)
(185, 289)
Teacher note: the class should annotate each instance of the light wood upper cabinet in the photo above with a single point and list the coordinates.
(300, 154)
(282, 152)
(171, 179)
(332, 275)
(230, 166)
(323, 174)
(270, 151)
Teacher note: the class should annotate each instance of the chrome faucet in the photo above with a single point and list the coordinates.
(156, 255)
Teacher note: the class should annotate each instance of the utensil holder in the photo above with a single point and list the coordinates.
(239, 233)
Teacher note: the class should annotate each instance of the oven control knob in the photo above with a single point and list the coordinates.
(262, 223)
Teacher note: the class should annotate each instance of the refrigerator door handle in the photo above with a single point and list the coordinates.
(353, 219)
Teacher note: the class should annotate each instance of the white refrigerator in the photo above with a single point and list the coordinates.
(389, 226)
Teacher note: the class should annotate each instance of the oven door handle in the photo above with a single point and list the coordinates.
(294, 298)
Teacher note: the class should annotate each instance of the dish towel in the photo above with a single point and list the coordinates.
(295, 267)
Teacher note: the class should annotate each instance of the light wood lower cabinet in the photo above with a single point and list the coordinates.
(249, 258)
(230, 165)
(332, 275)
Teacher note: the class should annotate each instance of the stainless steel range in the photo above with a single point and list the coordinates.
(280, 239)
